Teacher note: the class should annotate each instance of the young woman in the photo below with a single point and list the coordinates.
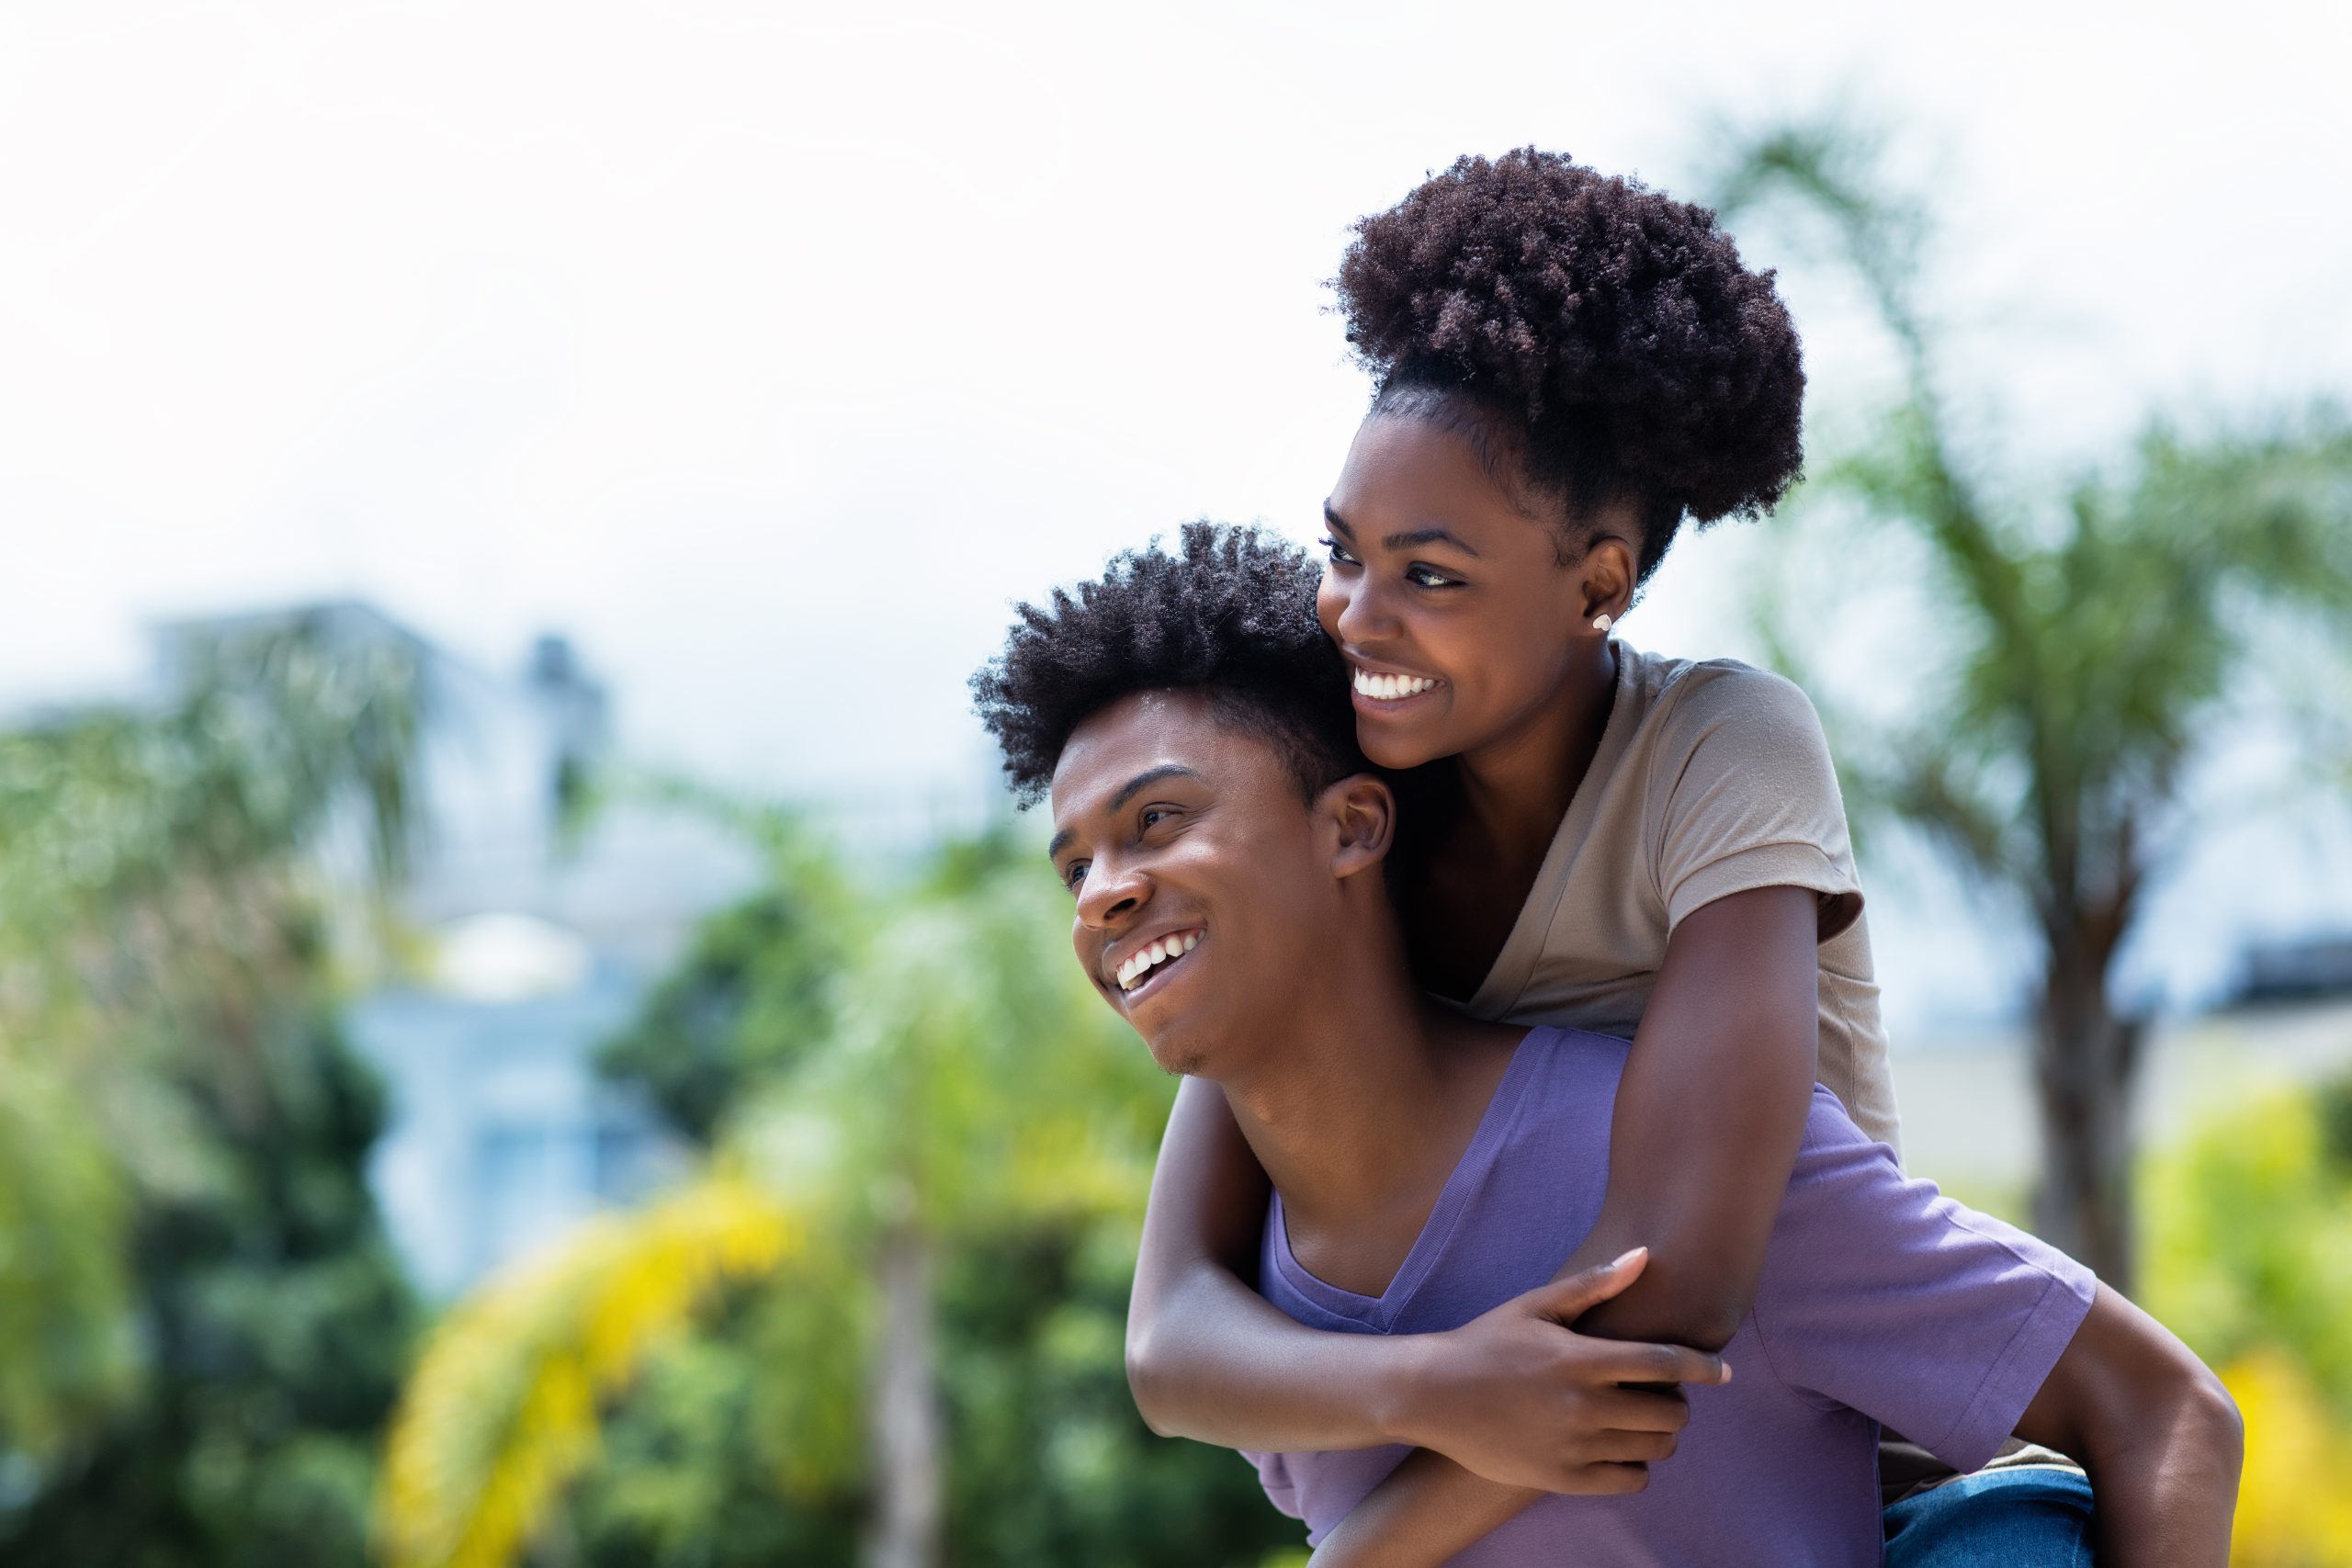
(1567, 367)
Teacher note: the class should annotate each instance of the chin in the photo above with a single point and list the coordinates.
(1178, 1057)
(1388, 750)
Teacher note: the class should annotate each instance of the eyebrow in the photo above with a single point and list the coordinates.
(1404, 541)
(1142, 781)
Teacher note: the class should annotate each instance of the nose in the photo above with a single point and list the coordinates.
(1111, 894)
(1356, 612)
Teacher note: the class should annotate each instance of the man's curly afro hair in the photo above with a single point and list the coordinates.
(1230, 613)
(1608, 333)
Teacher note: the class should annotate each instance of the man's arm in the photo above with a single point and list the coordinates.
(2157, 1432)
(1210, 1359)
(1708, 1114)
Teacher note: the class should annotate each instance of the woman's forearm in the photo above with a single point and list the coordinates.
(1219, 1364)
(1210, 1359)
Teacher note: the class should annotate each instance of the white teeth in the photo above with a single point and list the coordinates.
(1389, 688)
(1131, 973)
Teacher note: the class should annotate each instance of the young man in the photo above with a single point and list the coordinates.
(1225, 845)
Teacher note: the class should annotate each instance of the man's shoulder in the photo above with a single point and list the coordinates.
(1847, 1189)
(1586, 1061)
(1568, 1078)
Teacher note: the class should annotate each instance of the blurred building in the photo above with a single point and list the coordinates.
(2295, 970)
(535, 950)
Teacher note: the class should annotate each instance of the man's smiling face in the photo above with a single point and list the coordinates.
(1203, 877)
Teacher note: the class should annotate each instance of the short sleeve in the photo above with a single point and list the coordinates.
(1748, 797)
(1274, 1474)
(1881, 1295)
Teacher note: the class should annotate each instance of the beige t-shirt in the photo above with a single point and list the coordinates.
(1710, 779)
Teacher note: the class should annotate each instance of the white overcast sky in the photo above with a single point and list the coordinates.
(771, 351)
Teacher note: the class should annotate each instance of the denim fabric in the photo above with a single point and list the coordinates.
(2023, 1517)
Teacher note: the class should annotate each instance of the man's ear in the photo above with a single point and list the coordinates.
(1363, 810)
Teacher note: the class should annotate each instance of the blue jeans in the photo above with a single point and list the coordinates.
(1996, 1518)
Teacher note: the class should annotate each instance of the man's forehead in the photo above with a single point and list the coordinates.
(1144, 733)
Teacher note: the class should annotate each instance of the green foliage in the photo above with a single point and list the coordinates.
(1052, 1464)
(761, 983)
(187, 1243)
(501, 1412)
(2249, 1256)
(64, 1288)
(699, 1468)
(274, 725)
(2252, 1236)
(275, 1324)
(737, 1449)
(755, 990)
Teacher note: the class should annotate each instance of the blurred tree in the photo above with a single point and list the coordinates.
(914, 1227)
(186, 1239)
(761, 984)
(273, 1321)
(65, 1283)
(754, 993)
(1050, 1462)
(2092, 649)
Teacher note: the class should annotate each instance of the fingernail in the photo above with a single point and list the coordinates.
(1627, 1257)
(1726, 1371)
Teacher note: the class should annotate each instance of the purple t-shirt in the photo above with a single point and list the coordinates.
(1880, 1300)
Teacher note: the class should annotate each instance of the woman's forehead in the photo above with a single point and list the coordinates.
(1406, 471)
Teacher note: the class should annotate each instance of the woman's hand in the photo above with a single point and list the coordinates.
(1520, 1398)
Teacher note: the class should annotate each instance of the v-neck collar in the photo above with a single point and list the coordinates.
(1381, 1312)
(1507, 979)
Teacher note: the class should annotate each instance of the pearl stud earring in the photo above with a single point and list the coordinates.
(1602, 623)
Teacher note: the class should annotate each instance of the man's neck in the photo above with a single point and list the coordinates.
(1362, 1092)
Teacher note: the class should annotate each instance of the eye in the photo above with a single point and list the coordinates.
(1074, 874)
(1429, 577)
(1340, 555)
(1152, 815)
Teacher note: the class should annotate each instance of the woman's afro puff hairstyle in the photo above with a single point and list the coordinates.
(1609, 330)
(1231, 612)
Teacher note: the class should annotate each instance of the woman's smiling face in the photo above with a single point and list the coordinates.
(1449, 600)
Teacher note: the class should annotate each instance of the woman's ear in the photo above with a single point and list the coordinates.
(1607, 576)
(1363, 810)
